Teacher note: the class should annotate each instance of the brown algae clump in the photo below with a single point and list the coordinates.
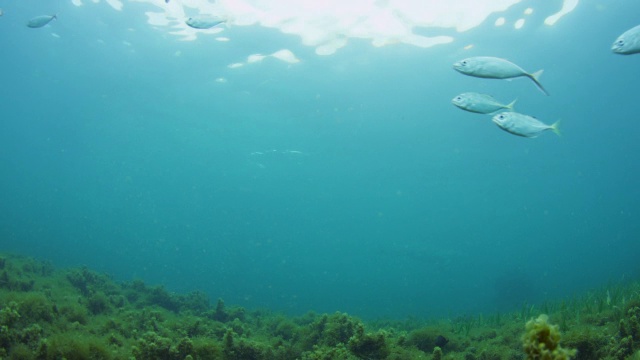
(542, 341)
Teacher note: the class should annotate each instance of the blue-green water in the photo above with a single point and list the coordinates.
(341, 183)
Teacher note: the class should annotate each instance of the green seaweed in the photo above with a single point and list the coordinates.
(80, 314)
(369, 346)
(542, 341)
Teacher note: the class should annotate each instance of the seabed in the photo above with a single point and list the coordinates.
(48, 313)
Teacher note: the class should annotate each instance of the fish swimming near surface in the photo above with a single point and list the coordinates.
(628, 43)
(480, 103)
(204, 21)
(523, 125)
(495, 68)
(40, 21)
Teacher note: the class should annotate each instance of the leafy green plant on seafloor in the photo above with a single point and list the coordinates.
(541, 341)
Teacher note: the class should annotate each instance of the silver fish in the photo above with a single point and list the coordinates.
(480, 103)
(204, 22)
(40, 21)
(628, 43)
(523, 125)
(495, 68)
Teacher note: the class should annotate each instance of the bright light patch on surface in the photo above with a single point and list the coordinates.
(518, 24)
(255, 58)
(284, 55)
(329, 25)
(116, 4)
(567, 7)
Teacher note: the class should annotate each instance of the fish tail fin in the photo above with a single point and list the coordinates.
(536, 79)
(556, 128)
(511, 105)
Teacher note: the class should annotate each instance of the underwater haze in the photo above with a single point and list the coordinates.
(301, 158)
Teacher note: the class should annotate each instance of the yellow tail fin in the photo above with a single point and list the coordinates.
(556, 128)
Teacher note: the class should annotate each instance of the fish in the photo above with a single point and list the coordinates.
(40, 21)
(204, 21)
(480, 103)
(628, 43)
(523, 125)
(495, 68)
(1, 12)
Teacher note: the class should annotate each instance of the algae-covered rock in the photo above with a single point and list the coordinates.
(206, 349)
(87, 281)
(224, 314)
(329, 330)
(241, 349)
(329, 353)
(623, 346)
(9, 314)
(633, 323)
(369, 346)
(286, 329)
(73, 346)
(153, 346)
(338, 329)
(541, 341)
(74, 313)
(220, 313)
(589, 341)
(424, 339)
(620, 348)
(98, 303)
(437, 353)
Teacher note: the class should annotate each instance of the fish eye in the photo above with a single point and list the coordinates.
(620, 42)
(458, 98)
(464, 62)
(501, 117)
